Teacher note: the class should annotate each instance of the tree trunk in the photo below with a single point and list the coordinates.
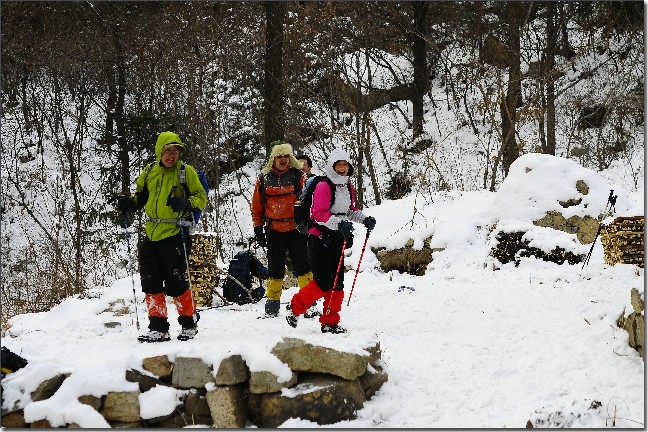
(276, 12)
(548, 75)
(515, 13)
(421, 82)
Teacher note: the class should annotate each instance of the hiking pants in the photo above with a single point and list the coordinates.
(163, 271)
(325, 260)
(279, 243)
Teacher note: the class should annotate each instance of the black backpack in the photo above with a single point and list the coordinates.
(237, 287)
(303, 204)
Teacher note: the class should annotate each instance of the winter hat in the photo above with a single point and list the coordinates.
(166, 140)
(338, 155)
(281, 148)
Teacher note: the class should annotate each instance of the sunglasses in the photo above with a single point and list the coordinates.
(282, 156)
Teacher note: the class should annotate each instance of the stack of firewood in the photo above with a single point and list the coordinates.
(202, 268)
(623, 241)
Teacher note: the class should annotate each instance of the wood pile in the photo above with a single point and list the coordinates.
(623, 241)
(202, 268)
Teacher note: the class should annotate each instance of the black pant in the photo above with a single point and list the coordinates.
(295, 244)
(163, 266)
(325, 257)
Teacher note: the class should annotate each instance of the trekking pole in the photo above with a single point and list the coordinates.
(184, 248)
(337, 274)
(611, 202)
(131, 269)
(364, 246)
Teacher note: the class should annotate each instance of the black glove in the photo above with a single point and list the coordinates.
(178, 204)
(126, 204)
(369, 222)
(259, 236)
(346, 229)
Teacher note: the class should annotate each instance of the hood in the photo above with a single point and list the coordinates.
(165, 139)
(337, 155)
(281, 148)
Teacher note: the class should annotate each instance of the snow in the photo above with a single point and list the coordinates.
(470, 344)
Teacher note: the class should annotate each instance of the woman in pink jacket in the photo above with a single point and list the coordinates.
(332, 212)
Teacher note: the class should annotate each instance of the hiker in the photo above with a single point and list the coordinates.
(331, 226)
(164, 252)
(307, 165)
(275, 192)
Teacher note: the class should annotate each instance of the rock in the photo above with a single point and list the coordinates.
(373, 380)
(406, 259)
(585, 228)
(93, 401)
(14, 420)
(266, 382)
(227, 407)
(231, 371)
(320, 398)
(304, 357)
(41, 424)
(195, 405)
(636, 300)
(145, 382)
(191, 372)
(158, 365)
(47, 388)
(121, 407)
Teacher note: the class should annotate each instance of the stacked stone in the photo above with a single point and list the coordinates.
(202, 268)
(623, 241)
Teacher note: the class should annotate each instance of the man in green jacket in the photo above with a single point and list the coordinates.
(163, 264)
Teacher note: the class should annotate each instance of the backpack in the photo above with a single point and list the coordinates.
(237, 287)
(304, 202)
(196, 213)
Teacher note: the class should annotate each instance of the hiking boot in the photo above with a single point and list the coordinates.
(188, 333)
(154, 336)
(271, 309)
(333, 328)
(312, 311)
(291, 319)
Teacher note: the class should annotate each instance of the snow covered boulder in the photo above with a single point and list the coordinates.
(553, 204)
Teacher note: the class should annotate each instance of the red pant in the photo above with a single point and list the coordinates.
(310, 294)
(157, 310)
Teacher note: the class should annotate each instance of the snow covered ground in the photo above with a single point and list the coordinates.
(467, 345)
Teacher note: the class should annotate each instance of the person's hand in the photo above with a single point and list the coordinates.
(259, 236)
(126, 204)
(178, 204)
(346, 229)
(369, 222)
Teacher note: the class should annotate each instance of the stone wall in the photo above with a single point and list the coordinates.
(634, 323)
(326, 386)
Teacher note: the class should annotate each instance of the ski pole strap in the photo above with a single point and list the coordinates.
(181, 222)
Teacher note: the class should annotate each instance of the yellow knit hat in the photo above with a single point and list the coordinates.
(281, 148)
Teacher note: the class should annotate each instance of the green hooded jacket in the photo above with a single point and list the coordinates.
(162, 184)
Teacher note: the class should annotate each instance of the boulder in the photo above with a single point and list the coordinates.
(158, 365)
(47, 388)
(191, 372)
(227, 407)
(231, 371)
(320, 398)
(267, 382)
(121, 407)
(304, 357)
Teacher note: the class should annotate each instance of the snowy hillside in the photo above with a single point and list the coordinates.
(464, 346)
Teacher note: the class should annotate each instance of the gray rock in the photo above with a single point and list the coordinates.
(121, 407)
(232, 371)
(195, 405)
(227, 407)
(47, 388)
(320, 398)
(145, 382)
(266, 382)
(93, 401)
(191, 372)
(373, 380)
(304, 357)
